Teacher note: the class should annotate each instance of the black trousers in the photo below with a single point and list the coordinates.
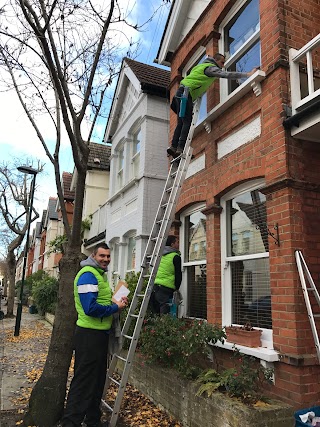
(159, 300)
(183, 125)
(84, 398)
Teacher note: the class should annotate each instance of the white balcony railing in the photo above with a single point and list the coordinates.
(305, 87)
(305, 83)
(99, 221)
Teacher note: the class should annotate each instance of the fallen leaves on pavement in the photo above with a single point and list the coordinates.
(29, 352)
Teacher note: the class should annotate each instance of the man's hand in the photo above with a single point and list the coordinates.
(122, 303)
(252, 71)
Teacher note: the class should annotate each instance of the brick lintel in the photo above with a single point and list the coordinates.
(214, 208)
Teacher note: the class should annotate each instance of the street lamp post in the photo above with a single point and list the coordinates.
(30, 171)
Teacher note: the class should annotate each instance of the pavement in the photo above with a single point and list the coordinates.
(12, 381)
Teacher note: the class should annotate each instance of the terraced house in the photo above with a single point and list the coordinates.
(252, 193)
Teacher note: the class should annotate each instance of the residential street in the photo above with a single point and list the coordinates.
(22, 359)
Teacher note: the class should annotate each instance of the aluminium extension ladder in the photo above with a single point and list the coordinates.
(149, 268)
(305, 273)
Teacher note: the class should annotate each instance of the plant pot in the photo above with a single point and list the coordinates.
(244, 337)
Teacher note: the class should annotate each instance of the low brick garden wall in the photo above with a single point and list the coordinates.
(178, 397)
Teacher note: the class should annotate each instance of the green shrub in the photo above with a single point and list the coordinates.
(27, 287)
(245, 381)
(45, 294)
(177, 343)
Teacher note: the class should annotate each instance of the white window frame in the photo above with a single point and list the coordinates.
(127, 237)
(135, 156)
(226, 281)
(120, 171)
(233, 58)
(115, 273)
(184, 264)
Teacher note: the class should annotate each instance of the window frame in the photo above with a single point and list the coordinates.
(249, 43)
(120, 171)
(226, 278)
(128, 237)
(115, 273)
(198, 207)
(135, 156)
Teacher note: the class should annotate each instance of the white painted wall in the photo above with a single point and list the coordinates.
(96, 191)
(133, 209)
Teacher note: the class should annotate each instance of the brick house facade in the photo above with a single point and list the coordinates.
(252, 187)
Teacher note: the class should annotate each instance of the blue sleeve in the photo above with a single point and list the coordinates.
(88, 294)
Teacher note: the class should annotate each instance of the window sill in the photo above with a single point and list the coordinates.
(123, 189)
(262, 353)
(252, 83)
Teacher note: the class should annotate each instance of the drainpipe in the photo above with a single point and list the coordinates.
(296, 118)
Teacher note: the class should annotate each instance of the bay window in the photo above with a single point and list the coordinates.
(245, 259)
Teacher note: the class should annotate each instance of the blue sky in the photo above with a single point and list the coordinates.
(17, 137)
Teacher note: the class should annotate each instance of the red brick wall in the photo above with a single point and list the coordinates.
(291, 169)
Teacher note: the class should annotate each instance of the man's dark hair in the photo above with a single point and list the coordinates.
(171, 239)
(100, 245)
(218, 56)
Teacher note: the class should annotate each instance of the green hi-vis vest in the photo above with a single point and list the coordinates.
(197, 82)
(165, 275)
(104, 298)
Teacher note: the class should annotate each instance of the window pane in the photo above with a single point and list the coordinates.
(251, 297)
(115, 265)
(246, 63)
(131, 264)
(203, 108)
(247, 218)
(197, 291)
(136, 142)
(242, 27)
(120, 160)
(195, 237)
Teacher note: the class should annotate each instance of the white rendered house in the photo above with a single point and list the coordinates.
(138, 128)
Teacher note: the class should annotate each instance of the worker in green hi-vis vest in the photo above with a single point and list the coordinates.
(194, 85)
(168, 278)
(96, 310)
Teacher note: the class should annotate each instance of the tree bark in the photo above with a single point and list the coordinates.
(11, 263)
(47, 399)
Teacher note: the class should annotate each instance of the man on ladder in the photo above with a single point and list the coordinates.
(168, 278)
(193, 86)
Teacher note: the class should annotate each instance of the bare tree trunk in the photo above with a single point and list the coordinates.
(11, 263)
(47, 399)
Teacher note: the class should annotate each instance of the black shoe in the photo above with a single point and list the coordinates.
(179, 151)
(171, 151)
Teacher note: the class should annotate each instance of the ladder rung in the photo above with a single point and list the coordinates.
(128, 337)
(146, 276)
(106, 405)
(174, 174)
(316, 315)
(121, 358)
(159, 221)
(169, 189)
(164, 205)
(140, 295)
(114, 381)
(134, 315)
